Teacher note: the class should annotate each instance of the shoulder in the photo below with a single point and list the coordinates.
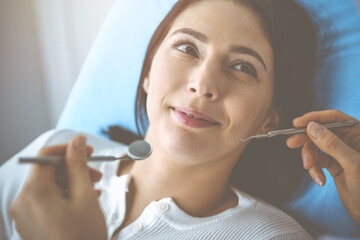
(263, 221)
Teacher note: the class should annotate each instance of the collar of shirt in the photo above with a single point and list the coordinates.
(113, 204)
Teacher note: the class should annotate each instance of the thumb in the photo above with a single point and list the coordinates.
(331, 144)
(76, 167)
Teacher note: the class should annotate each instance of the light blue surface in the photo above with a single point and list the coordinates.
(104, 93)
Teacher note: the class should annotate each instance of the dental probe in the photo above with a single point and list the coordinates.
(291, 131)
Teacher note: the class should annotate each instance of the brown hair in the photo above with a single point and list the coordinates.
(267, 169)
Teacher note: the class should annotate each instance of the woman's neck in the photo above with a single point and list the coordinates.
(198, 189)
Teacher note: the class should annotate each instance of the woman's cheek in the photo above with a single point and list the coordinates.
(248, 111)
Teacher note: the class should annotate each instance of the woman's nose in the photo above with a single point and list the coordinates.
(204, 82)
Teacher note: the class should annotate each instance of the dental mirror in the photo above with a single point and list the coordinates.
(137, 150)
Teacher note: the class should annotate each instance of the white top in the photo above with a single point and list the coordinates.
(162, 219)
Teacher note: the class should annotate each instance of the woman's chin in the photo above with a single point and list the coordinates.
(188, 144)
(190, 149)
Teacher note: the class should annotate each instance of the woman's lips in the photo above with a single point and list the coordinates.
(193, 118)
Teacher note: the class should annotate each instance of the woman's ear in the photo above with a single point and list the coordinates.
(272, 121)
(146, 84)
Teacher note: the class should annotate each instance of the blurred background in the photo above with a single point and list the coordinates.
(43, 44)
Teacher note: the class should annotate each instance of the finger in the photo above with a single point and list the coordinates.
(95, 175)
(317, 175)
(89, 150)
(323, 160)
(309, 154)
(328, 142)
(331, 165)
(42, 178)
(353, 138)
(42, 172)
(312, 157)
(326, 116)
(297, 140)
(77, 170)
(53, 150)
(56, 150)
(48, 173)
(61, 176)
(98, 192)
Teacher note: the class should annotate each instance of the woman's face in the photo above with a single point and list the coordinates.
(211, 79)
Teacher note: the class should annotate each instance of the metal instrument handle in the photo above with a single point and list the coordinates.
(303, 130)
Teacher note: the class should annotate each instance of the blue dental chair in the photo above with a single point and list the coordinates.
(104, 93)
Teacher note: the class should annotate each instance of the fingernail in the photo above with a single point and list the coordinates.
(80, 143)
(319, 181)
(305, 160)
(315, 130)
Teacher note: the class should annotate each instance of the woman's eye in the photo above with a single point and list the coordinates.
(245, 68)
(186, 48)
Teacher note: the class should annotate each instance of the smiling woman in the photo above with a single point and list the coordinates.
(257, 70)
(213, 69)
(208, 78)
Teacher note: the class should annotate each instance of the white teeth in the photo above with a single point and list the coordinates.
(189, 115)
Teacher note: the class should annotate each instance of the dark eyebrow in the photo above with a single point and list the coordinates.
(249, 51)
(201, 37)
